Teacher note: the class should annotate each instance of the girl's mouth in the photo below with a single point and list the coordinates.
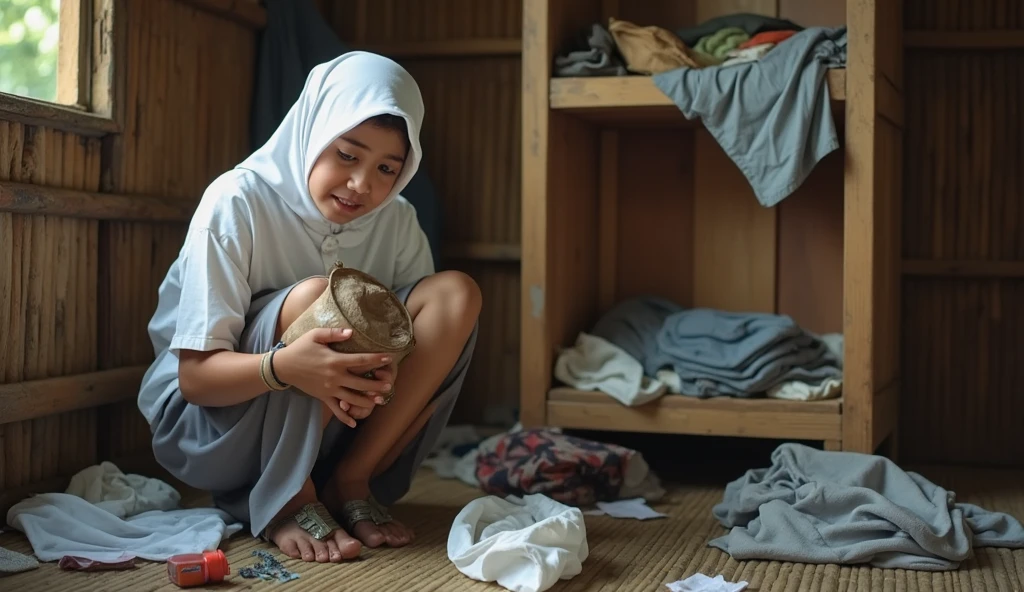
(346, 205)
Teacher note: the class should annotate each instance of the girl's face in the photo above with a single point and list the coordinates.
(356, 172)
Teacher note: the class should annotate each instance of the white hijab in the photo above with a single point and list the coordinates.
(338, 96)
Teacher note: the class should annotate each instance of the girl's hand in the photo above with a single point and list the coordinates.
(383, 373)
(310, 365)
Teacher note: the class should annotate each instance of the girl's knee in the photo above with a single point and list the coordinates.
(300, 298)
(459, 290)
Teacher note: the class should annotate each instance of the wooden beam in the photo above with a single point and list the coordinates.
(981, 39)
(244, 12)
(53, 116)
(23, 198)
(482, 251)
(448, 48)
(962, 268)
(21, 401)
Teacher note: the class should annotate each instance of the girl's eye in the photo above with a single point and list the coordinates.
(345, 156)
(386, 169)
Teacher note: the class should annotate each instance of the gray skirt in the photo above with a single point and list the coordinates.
(254, 457)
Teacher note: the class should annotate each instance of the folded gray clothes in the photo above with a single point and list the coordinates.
(771, 116)
(593, 54)
(847, 508)
(722, 353)
(633, 325)
(696, 381)
(715, 352)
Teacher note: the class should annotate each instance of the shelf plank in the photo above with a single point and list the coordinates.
(678, 414)
(635, 98)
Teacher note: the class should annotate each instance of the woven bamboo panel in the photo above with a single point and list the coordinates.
(189, 82)
(76, 295)
(48, 274)
(404, 21)
(962, 373)
(963, 201)
(471, 145)
(965, 156)
(963, 15)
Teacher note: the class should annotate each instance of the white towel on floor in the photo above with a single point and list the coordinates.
(119, 514)
(524, 544)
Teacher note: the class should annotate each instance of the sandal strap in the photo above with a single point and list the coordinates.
(312, 518)
(354, 511)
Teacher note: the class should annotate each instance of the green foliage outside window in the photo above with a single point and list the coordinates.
(28, 48)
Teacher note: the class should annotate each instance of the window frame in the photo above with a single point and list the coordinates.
(90, 87)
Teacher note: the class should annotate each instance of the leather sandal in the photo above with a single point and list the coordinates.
(312, 518)
(354, 511)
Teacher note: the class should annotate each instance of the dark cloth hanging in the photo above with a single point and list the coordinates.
(295, 40)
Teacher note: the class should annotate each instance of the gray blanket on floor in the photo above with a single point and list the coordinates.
(811, 506)
(772, 116)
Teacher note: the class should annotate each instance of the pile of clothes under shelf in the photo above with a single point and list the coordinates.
(645, 347)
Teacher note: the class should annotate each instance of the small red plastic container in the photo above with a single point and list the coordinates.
(196, 569)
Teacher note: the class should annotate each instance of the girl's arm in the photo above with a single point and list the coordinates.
(220, 378)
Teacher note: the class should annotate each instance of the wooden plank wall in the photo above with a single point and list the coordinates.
(75, 293)
(963, 245)
(466, 57)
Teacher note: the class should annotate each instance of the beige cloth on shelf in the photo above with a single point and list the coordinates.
(652, 50)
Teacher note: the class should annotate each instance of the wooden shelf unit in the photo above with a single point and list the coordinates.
(612, 168)
(614, 99)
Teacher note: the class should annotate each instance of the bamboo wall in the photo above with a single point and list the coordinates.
(963, 317)
(77, 290)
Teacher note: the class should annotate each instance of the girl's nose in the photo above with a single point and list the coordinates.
(358, 183)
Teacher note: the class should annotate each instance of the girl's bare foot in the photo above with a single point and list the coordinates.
(299, 544)
(394, 533)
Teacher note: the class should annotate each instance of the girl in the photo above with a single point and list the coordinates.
(293, 463)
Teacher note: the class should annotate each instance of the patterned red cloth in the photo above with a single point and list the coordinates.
(570, 470)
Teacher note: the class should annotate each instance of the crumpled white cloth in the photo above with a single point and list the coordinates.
(596, 364)
(106, 514)
(122, 495)
(702, 583)
(524, 544)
